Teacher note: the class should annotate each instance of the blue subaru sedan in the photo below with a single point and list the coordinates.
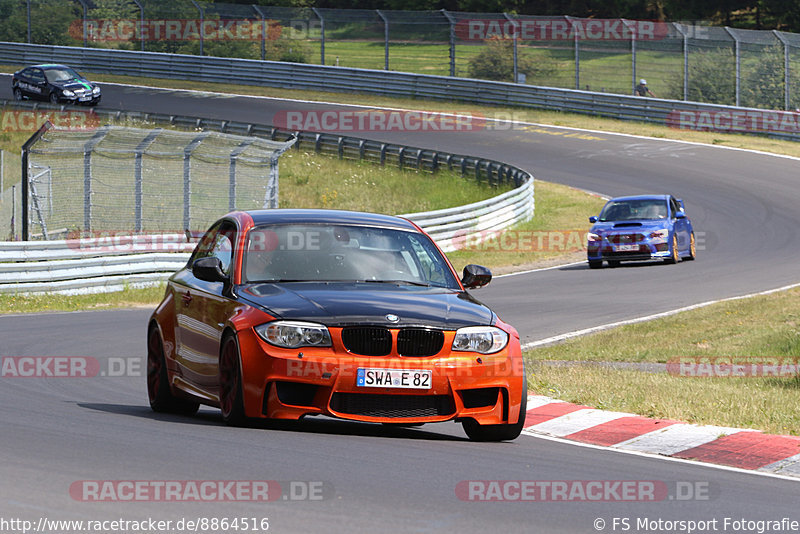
(637, 228)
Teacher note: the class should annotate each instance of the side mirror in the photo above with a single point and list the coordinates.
(592, 219)
(209, 270)
(476, 276)
(680, 215)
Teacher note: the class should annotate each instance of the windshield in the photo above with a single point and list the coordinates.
(330, 253)
(630, 210)
(63, 74)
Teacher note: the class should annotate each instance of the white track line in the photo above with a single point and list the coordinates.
(576, 333)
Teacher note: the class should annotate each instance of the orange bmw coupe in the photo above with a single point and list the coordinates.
(282, 314)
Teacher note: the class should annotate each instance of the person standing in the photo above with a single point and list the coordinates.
(642, 89)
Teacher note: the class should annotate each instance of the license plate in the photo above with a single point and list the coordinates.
(627, 248)
(394, 378)
(85, 98)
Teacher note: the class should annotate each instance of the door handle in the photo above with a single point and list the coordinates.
(186, 298)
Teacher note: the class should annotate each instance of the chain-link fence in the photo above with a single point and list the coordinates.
(113, 179)
(679, 61)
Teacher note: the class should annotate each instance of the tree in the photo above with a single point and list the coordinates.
(496, 62)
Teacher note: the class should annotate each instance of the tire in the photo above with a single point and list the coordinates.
(53, 98)
(675, 255)
(476, 432)
(595, 264)
(158, 392)
(692, 249)
(613, 263)
(18, 93)
(231, 401)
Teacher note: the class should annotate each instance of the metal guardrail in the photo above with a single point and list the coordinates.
(114, 262)
(298, 76)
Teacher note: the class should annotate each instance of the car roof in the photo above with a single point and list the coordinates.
(51, 66)
(640, 197)
(321, 216)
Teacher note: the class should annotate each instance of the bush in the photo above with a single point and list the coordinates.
(712, 78)
(496, 62)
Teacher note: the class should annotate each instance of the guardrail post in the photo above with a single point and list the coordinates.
(383, 153)
(340, 148)
(321, 34)
(400, 154)
(452, 22)
(361, 149)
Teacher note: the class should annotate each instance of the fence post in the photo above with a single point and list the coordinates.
(263, 32)
(685, 60)
(516, 35)
(577, 54)
(28, 10)
(786, 99)
(187, 179)
(141, 18)
(24, 192)
(202, 20)
(271, 200)
(738, 62)
(232, 173)
(137, 177)
(385, 39)
(452, 22)
(85, 16)
(322, 35)
(633, 54)
(88, 147)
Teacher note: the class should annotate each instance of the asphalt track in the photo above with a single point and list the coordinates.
(59, 431)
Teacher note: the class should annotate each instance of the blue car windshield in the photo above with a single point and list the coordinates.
(343, 253)
(634, 210)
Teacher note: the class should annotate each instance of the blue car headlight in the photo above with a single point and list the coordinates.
(294, 334)
(594, 237)
(482, 339)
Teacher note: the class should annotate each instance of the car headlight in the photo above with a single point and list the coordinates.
(594, 237)
(659, 236)
(294, 334)
(483, 339)
(68, 93)
(96, 91)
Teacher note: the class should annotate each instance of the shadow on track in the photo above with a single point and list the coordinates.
(310, 425)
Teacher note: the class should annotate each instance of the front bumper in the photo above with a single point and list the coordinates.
(642, 249)
(292, 383)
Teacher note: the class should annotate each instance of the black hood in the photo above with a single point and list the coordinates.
(347, 303)
(74, 84)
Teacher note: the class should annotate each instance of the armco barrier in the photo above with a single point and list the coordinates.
(299, 76)
(107, 264)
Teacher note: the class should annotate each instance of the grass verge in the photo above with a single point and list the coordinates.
(127, 298)
(754, 330)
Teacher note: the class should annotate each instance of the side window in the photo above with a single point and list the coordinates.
(674, 206)
(432, 268)
(36, 75)
(218, 243)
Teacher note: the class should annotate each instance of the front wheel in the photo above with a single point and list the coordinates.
(594, 264)
(230, 383)
(53, 98)
(675, 256)
(17, 93)
(476, 432)
(692, 249)
(158, 392)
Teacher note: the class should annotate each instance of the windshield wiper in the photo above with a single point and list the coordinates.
(399, 282)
